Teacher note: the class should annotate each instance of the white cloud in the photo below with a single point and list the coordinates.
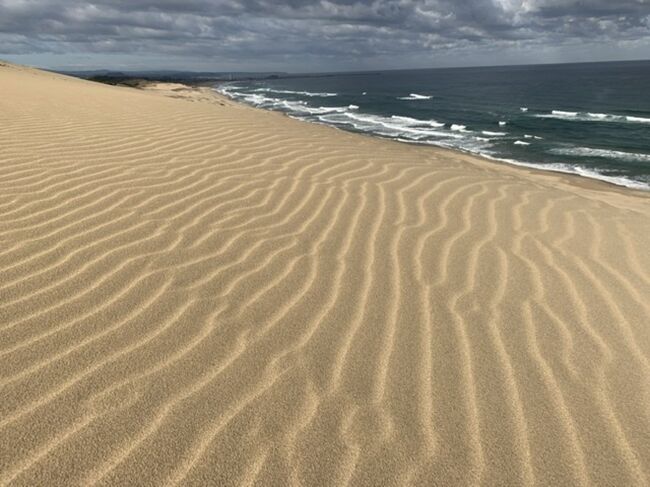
(331, 34)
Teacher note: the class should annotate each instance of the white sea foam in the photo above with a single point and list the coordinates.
(415, 96)
(258, 99)
(458, 128)
(592, 117)
(227, 89)
(559, 116)
(353, 107)
(431, 132)
(638, 119)
(601, 153)
(523, 109)
(297, 107)
(521, 142)
(316, 110)
(573, 169)
(291, 92)
(416, 122)
(502, 123)
(553, 167)
(471, 145)
(398, 126)
(562, 113)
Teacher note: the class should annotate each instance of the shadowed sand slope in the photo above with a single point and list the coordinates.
(194, 292)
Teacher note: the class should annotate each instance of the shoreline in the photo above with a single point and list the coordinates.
(567, 178)
(633, 185)
(584, 182)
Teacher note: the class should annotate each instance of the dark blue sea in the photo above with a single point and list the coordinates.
(589, 119)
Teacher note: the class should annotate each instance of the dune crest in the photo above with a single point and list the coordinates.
(195, 292)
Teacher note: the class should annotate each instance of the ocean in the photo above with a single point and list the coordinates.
(589, 119)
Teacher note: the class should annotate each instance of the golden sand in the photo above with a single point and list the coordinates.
(195, 292)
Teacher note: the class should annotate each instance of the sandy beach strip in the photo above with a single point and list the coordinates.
(196, 292)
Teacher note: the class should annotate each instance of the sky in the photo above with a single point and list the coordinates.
(325, 35)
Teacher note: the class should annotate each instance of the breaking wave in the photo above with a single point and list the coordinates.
(290, 92)
(491, 144)
(415, 96)
(591, 117)
(602, 153)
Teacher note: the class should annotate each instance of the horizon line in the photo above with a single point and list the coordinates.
(61, 70)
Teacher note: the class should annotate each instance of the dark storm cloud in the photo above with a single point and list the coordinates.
(327, 29)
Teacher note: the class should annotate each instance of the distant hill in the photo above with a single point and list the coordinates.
(128, 77)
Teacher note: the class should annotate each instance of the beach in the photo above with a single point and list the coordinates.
(198, 292)
(533, 116)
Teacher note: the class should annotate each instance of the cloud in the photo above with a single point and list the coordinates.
(327, 33)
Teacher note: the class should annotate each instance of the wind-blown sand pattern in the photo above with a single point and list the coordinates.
(194, 292)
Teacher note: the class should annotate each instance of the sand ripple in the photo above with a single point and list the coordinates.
(198, 293)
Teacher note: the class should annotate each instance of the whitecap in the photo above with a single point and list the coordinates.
(601, 153)
(417, 122)
(430, 132)
(563, 113)
(592, 117)
(637, 119)
(411, 129)
(291, 92)
(415, 96)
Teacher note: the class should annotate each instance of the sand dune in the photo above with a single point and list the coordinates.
(194, 292)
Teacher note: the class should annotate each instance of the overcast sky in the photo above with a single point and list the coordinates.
(326, 35)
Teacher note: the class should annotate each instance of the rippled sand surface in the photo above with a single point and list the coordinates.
(194, 292)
